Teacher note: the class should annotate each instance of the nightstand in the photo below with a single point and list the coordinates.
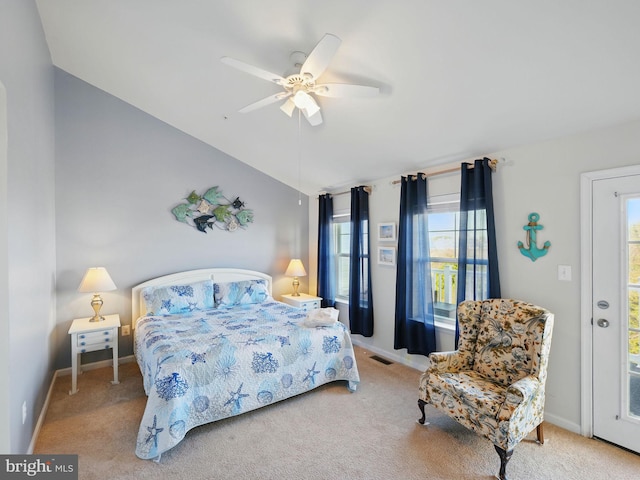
(304, 301)
(89, 336)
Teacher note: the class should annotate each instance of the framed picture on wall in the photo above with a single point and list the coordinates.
(387, 256)
(387, 232)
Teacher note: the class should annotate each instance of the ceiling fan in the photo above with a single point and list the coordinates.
(300, 87)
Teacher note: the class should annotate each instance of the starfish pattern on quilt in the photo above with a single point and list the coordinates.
(236, 397)
(154, 431)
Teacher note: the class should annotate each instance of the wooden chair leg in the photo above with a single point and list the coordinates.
(504, 458)
(421, 404)
(540, 433)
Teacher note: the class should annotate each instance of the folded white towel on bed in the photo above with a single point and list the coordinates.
(321, 316)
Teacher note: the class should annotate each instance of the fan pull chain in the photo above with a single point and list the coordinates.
(299, 157)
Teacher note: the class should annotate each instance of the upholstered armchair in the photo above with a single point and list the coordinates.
(494, 384)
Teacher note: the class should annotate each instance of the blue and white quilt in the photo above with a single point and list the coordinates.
(207, 365)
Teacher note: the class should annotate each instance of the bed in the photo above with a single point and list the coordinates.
(213, 343)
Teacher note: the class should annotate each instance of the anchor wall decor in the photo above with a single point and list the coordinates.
(532, 250)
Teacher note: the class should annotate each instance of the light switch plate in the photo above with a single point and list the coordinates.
(564, 273)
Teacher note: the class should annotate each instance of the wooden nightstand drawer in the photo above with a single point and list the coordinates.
(303, 301)
(310, 305)
(94, 347)
(93, 338)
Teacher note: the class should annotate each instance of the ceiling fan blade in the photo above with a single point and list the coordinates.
(338, 90)
(252, 70)
(321, 55)
(265, 101)
(315, 119)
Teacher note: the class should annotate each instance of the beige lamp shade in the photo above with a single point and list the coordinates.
(295, 270)
(96, 280)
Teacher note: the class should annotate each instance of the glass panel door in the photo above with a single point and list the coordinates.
(632, 264)
(616, 285)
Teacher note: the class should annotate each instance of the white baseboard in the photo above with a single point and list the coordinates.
(101, 364)
(360, 342)
(60, 373)
(562, 423)
(43, 414)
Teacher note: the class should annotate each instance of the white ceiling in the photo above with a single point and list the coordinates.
(459, 79)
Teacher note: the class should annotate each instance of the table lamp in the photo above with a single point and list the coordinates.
(295, 270)
(96, 280)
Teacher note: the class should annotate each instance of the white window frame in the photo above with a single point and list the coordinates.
(449, 203)
(339, 217)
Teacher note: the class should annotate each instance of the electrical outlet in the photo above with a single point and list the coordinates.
(24, 412)
(126, 330)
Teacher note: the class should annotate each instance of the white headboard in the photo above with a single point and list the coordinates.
(215, 274)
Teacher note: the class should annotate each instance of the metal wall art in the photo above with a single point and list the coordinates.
(532, 250)
(213, 209)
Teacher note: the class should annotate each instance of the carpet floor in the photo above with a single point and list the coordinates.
(326, 434)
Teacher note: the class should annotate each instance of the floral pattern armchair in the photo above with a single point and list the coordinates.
(494, 384)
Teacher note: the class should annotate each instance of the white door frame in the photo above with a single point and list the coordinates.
(5, 356)
(586, 288)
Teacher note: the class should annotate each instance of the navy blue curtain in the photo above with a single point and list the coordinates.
(360, 295)
(478, 277)
(326, 280)
(414, 326)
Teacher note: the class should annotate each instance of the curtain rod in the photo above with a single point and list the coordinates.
(493, 164)
(367, 189)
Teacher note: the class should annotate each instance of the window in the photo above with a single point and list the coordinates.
(632, 267)
(477, 256)
(443, 220)
(444, 238)
(342, 250)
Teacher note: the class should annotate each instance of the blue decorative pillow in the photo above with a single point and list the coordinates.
(240, 293)
(179, 298)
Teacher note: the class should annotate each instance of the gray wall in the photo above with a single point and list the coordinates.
(542, 178)
(27, 237)
(119, 172)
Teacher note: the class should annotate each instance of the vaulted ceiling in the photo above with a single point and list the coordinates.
(458, 79)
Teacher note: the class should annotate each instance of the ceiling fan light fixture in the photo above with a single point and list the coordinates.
(315, 119)
(301, 99)
(305, 102)
(312, 108)
(288, 107)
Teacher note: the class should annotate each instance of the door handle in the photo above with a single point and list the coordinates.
(603, 322)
